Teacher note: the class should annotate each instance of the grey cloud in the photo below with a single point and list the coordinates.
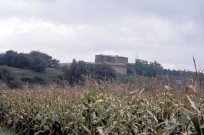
(169, 32)
(96, 11)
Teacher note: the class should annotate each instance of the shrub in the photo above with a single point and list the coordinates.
(38, 64)
(9, 78)
(39, 80)
(15, 84)
(77, 70)
(6, 75)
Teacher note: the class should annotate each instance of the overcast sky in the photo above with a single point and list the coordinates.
(167, 31)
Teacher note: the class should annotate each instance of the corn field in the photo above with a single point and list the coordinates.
(105, 108)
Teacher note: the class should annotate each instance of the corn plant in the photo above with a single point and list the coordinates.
(103, 109)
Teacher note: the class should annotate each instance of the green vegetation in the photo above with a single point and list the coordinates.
(74, 74)
(105, 108)
(35, 60)
(28, 76)
(40, 68)
(8, 77)
(97, 101)
(16, 77)
(153, 69)
(38, 64)
(34, 68)
(78, 70)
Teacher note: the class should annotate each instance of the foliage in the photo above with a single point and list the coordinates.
(31, 78)
(8, 77)
(23, 61)
(35, 60)
(38, 64)
(102, 72)
(51, 63)
(125, 78)
(66, 72)
(15, 84)
(39, 80)
(34, 80)
(104, 110)
(78, 70)
(142, 67)
(152, 69)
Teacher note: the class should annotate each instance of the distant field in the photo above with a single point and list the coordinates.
(48, 76)
(50, 72)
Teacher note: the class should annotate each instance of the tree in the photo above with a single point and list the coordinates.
(77, 70)
(103, 72)
(9, 58)
(38, 64)
(142, 67)
(49, 60)
(53, 63)
(66, 72)
(154, 69)
(2, 59)
(23, 61)
(151, 69)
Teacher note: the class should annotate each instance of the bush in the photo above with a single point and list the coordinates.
(38, 64)
(57, 79)
(103, 72)
(15, 84)
(77, 70)
(39, 80)
(6, 75)
(10, 78)
(26, 79)
(34, 80)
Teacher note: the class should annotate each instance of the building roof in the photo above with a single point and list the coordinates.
(111, 56)
(64, 64)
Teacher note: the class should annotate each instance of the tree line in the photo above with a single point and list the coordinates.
(78, 70)
(35, 60)
(152, 69)
(38, 62)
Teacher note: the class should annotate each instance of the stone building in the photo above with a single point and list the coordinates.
(118, 63)
(109, 58)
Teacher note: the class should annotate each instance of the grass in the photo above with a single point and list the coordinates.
(50, 72)
(157, 107)
(51, 75)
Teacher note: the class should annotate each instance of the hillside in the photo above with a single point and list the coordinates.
(26, 75)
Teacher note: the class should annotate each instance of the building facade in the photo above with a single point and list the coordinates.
(109, 58)
(118, 63)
